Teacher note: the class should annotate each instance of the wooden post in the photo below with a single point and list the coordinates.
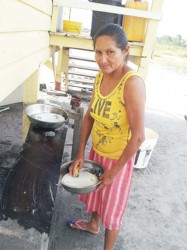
(30, 95)
(65, 63)
(77, 131)
(54, 18)
(62, 66)
(149, 40)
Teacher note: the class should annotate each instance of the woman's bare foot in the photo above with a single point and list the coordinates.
(85, 225)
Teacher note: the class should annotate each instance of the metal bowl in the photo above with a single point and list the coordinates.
(88, 165)
(57, 116)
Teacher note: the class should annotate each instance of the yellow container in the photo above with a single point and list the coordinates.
(135, 27)
(73, 27)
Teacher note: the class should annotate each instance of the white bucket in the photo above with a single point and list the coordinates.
(143, 155)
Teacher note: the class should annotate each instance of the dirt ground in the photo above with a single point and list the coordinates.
(156, 214)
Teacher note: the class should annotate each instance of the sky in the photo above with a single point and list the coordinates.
(174, 18)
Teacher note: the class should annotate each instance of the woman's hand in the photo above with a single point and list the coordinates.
(107, 178)
(76, 166)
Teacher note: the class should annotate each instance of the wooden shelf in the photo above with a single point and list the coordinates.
(69, 40)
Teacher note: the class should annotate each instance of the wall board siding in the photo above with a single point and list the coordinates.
(24, 41)
(15, 74)
(15, 97)
(42, 5)
(14, 46)
(17, 16)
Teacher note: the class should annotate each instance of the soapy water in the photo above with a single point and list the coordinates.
(48, 117)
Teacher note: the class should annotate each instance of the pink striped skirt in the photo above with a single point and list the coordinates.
(110, 202)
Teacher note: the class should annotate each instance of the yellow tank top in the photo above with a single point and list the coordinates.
(110, 132)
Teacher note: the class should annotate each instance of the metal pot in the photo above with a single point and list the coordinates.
(56, 115)
(88, 165)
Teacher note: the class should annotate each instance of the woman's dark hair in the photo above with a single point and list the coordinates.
(115, 31)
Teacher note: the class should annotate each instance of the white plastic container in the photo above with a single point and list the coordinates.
(144, 153)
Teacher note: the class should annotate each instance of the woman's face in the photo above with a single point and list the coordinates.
(107, 55)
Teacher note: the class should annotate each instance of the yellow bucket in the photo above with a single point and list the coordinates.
(73, 27)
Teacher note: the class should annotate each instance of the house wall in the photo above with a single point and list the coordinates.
(24, 42)
(15, 97)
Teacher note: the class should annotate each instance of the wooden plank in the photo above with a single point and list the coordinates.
(90, 55)
(136, 49)
(80, 80)
(14, 46)
(81, 58)
(135, 60)
(77, 132)
(25, 126)
(82, 86)
(54, 19)
(58, 14)
(83, 63)
(149, 40)
(71, 65)
(31, 86)
(58, 39)
(15, 74)
(49, 64)
(42, 5)
(30, 95)
(64, 68)
(79, 73)
(86, 43)
(108, 8)
(21, 17)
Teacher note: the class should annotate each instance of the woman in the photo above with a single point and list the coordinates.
(115, 119)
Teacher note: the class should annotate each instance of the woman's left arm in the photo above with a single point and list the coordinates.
(134, 96)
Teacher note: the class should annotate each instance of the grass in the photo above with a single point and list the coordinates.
(172, 56)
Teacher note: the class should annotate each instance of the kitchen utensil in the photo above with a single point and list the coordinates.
(88, 166)
(46, 116)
